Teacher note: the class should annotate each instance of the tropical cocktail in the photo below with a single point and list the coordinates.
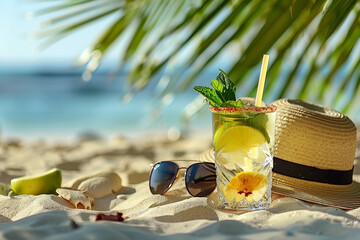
(243, 145)
(243, 136)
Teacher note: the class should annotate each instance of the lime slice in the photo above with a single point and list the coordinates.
(236, 138)
(46, 182)
(259, 123)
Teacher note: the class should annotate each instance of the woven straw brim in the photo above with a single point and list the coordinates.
(207, 156)
(339, 196)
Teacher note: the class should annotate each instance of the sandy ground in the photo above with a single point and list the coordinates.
(175, 215)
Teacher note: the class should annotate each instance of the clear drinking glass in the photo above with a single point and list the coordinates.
(244, 148)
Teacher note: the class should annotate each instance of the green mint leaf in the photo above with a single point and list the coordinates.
(228, 89)
(224, 79)
(210, 94)
(219, 89)
(229, 95)
(223, 94)
(237, 103)
(217, 85)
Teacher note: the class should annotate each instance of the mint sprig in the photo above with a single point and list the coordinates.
(222, 94)
(211, 95)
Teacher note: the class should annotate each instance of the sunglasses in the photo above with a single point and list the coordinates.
(200, 178)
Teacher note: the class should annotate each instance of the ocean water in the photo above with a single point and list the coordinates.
(50, 104)
(53, 103)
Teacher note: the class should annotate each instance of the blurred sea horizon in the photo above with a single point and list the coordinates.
(49, 101)
(53, 102)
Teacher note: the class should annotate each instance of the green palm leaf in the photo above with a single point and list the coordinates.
(312, 44)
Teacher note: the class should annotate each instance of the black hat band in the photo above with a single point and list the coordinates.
(295, 170)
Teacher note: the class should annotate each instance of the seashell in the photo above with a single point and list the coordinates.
(78, 198)
(98, 185)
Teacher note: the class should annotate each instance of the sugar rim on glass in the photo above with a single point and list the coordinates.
(267, 109)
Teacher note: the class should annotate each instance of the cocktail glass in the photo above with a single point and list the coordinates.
(244, 145)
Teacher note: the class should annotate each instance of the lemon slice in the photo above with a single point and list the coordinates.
(236, 138)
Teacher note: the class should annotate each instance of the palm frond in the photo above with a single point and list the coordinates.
(56, 33)
(355, 90)
(60, 7)
(345, 82)
(311, 43)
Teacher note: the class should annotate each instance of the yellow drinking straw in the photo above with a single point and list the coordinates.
(261, 84)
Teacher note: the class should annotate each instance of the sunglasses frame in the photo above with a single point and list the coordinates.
(178, 174)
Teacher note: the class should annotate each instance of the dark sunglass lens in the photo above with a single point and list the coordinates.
(200, 179)
(162, 176)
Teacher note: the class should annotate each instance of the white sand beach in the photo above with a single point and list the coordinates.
(175, 215)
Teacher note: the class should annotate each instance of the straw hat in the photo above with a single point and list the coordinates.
(314, 154)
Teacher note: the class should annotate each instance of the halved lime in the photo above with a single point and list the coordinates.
(46, 182)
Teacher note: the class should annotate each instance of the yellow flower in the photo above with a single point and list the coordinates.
(246, 185)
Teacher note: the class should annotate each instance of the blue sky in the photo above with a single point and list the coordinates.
(18, 48)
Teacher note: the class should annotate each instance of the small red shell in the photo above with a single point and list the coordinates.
(109, 217)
